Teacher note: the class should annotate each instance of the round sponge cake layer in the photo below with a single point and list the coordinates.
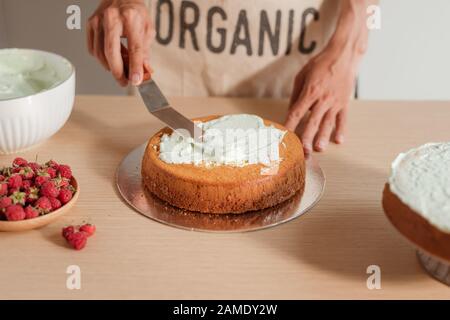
(417, 197)
(225, 189)
(415, 227)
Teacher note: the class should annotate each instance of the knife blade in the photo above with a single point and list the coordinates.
(157, 104)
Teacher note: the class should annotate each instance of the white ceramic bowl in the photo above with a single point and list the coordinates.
(30, 120)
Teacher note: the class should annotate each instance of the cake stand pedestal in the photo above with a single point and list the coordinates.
(129, 183)
(438, 269)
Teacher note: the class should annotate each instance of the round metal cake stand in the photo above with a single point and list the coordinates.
(437, 268)
(129, 183)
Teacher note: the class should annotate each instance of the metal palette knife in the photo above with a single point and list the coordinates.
(157, 104)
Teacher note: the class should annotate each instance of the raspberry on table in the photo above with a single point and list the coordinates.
(77, 240)
(67, 230)
(88, 228)
(77, 236)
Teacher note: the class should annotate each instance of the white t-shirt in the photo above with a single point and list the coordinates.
(251, 48)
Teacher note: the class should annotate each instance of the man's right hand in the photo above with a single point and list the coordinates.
(113, 20)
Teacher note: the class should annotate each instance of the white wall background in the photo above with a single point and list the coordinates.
(41, 24)
(409, 58)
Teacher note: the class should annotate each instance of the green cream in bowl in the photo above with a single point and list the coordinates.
(25, 74)
(37, 91)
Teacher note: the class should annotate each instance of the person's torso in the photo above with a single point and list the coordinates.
(236, 48)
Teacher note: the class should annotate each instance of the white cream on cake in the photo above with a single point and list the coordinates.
(234, 140)
(421, 180)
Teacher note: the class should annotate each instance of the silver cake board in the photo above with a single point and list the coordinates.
(129, 184)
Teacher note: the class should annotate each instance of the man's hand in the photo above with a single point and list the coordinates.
(323, 88)
(113, 20)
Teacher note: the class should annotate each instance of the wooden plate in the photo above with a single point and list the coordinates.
(41, 220)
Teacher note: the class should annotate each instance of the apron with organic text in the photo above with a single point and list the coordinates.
(245, 48)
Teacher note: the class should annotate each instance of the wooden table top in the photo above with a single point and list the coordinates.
(323, 254)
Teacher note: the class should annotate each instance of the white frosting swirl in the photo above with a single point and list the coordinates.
(421, 179)
(234, 140)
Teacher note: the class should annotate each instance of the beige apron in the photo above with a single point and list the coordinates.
(246, 48)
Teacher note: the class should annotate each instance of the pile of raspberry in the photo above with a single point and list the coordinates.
(77, 236)
(29, 190)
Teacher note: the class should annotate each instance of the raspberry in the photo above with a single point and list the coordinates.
(3, 189)
(65, 195)
(19, 162)
(27, 184)
(31, 212)
(15, 181)
(66, 231)
(16, 169)
(65, 171)
(52, 164)
(12, 190)
(61, 182)
(26, 173)
(34, 166)
(88, 228)
(56, 204)
(32, 194)
(51, 172)
(43, 205)
(15, 213)
(49, 190)
(18, 197)
(77, 240)
(40, 180)
(5, 203)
